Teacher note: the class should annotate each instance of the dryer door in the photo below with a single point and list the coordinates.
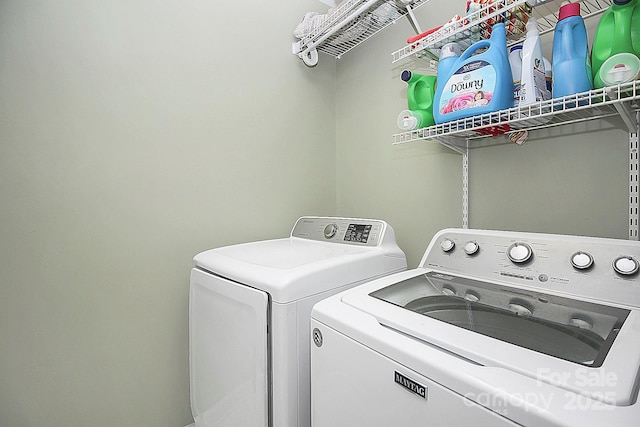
(228, 352)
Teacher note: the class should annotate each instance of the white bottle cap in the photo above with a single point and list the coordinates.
(450, 49)
(532, 26)
(620, 68)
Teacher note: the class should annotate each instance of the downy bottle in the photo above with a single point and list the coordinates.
(476, 84)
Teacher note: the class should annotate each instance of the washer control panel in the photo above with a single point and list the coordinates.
(353, 231)
(588, 267)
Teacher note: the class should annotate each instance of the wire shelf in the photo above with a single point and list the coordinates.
(621, 100)
(514, 13)
(350, 24)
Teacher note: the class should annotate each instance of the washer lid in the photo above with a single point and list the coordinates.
(562, 341)
(293, 268)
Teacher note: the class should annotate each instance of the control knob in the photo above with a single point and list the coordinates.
(330, 230)
(471, 248)
(519, 252)
(581, 260)
(447, 245)
(626, 265)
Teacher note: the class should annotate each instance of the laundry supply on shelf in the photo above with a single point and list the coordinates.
(420, 92)
(571, 62)
(548, 73)
(515, 61)
(441, 31)
(409, 120)
(533, 80)
(616, 44)
(476, 84)
(422, 35)
(515, 19)
(449, 54)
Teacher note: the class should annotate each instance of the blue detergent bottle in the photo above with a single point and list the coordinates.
(571, 63)
(476, 84)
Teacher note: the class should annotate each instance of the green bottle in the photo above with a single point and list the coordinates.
(616, 41)
(420, 93)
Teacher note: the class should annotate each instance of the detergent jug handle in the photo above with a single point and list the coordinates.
(476, 46)
(498, 34)
(621, 29)
(567, 40)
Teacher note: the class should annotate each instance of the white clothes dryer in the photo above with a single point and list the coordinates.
(492, 329)
(249, 316)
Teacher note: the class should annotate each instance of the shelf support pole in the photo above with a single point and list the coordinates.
(634, 190)
(465, 187)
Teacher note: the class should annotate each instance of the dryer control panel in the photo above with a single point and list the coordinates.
(354, 231)
(587, 267)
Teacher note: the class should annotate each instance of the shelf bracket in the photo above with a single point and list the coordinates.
(413, 20)
(627, 116)
(452, 144)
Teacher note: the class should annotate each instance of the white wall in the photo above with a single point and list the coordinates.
(571, 180)
(134, 134)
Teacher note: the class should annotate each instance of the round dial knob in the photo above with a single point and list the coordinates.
(330, 230)
(581, 260)
(519, 252)
(447, 245)
(471, 248)
(626, 265)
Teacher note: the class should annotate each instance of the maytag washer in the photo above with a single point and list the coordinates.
(492, 329)
(249, 316)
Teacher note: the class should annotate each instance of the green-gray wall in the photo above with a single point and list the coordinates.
(135, 134)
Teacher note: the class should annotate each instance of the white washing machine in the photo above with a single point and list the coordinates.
(492, 329)
(249, 316)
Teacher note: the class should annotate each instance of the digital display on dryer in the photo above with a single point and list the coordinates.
(358, 233)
